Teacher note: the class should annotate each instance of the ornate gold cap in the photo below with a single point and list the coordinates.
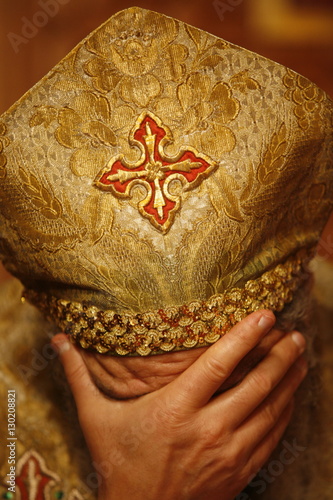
(155, 175)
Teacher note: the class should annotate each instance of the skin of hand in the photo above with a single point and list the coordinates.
(186, 440)
(128, 377)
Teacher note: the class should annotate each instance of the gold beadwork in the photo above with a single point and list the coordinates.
(174, 328)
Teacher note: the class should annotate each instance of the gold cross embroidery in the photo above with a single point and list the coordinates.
(155, 171)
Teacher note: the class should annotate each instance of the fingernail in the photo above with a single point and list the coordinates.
(62, 345)
(266, 322)
(299, 340)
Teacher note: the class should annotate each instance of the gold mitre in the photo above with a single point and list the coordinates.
(160, 183)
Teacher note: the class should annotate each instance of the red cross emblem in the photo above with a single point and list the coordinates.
(34, 480)
(161, 175)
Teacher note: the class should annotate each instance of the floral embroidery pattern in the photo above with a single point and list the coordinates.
(155, 171)
(113, 250)
(126, 56)
(307, 97)
(88, 133)
(243, 82)
(4, 141)
(204, 110)
(135, 65)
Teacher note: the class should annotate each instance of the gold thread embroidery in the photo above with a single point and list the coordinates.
(196, 324)
(243, 82)
(125, 265)
(275, 157)
(4, 141)
(125, 56)
(40, 197)
(306, 96)
(88, 134)
(155, 171)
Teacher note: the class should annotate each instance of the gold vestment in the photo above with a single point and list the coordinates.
(158, 185)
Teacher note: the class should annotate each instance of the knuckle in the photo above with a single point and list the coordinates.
(270, 413)
(172, 419)
(236, 458)
(291, 354)
(76, 373)
(244, 336)
(214, 370)
(262, 382)
(212, 436)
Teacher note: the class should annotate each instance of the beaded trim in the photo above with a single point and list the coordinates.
(197, 324)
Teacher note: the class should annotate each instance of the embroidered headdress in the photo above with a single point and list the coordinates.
(160, 183)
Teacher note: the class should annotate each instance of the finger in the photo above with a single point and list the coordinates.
(83, 389)
(264, 418)
(194, 388)
(243, 400)
(260, 456)
(252, 359)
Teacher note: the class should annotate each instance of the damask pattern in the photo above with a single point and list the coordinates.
(3, 143)
(95, 208)
(307, 98)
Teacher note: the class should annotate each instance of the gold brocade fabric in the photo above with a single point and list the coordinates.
(193, 325)
(47, 451)
(45, 420)
(158, 165)
(162, 180)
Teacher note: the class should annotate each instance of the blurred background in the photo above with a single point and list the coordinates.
(36, 34)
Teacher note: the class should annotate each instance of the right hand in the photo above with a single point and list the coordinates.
(184, 441)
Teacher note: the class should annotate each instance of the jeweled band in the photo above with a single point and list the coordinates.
(197, 324)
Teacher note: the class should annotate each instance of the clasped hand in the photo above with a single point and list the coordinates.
(188, 440)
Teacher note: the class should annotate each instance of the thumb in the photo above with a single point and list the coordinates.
(84, 391)
(200, 381)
